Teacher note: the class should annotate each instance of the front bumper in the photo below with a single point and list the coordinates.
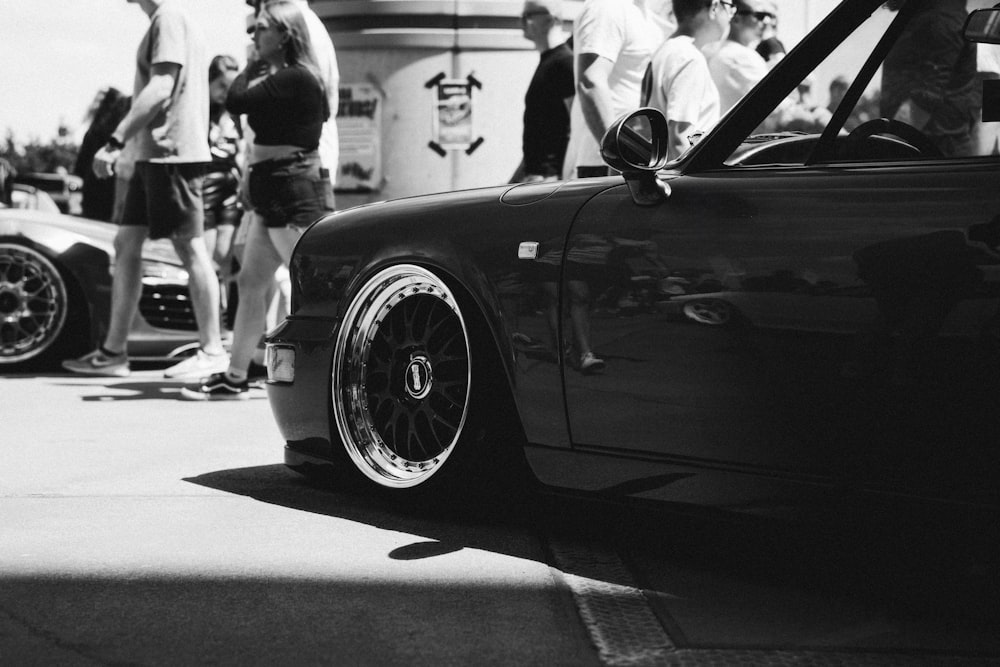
(301, 406)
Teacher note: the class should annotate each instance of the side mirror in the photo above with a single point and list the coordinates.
(983, 26)
(636, 145)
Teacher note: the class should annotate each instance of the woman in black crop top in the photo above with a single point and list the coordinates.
(286, 105)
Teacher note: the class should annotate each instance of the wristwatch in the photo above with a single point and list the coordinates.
(115, 143)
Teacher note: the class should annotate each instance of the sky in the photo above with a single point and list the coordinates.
(56, 54)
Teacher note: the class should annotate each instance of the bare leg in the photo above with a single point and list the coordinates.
(209, 236)
(266, 250)
(222, 246)
(126, 287)
(579, 313)
(203, 286)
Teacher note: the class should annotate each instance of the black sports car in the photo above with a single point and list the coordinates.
(55, 292)
(803, 308)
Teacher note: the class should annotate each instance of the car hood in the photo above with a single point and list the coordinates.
(101, 233)
(568, 193)
(66, 229)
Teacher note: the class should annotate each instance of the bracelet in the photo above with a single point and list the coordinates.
(115, 143)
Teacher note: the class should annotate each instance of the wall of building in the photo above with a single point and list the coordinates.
(448, 81)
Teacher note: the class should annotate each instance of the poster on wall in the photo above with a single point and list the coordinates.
(453, 115)
(359, 125)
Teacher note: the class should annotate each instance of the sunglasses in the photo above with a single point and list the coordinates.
(763, 17)
(527, 16)
(262, 28)
(727, 6)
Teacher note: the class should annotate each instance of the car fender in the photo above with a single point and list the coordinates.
(446, 234)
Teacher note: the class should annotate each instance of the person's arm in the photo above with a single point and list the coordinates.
(150, 101)
(941, 50)
(565, 85)
(692, 100)
(253, 89)
(595, 93)
(677, 142)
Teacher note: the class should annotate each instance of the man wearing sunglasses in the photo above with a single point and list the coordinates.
(736, 67)
(677, 81)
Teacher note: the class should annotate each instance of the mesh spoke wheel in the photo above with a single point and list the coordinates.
(401, 377)
(33, 303)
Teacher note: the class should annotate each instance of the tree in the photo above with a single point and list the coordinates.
(36, 156)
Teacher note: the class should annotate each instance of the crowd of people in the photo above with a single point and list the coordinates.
(232, 165)
(691, 59)
(176, 161)
(695, 59)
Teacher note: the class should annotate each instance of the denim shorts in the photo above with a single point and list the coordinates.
(221, 194)
(291, 192)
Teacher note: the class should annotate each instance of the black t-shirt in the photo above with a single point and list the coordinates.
(546, 118)
(288, 107)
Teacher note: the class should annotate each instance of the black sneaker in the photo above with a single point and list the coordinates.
(256, 375)
(216, 387)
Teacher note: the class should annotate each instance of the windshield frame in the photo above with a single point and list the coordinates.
(825, 147)
(712, 151)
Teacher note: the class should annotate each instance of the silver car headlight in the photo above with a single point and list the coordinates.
(155, 273)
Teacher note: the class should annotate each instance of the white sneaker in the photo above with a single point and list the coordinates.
(591, 364)
(198, 366)
(99, 364)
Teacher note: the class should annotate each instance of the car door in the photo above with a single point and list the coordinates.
(827, 321)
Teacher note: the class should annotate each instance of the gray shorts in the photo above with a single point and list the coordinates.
(166, 198)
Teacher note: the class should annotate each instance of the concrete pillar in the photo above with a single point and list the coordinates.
(398, 110)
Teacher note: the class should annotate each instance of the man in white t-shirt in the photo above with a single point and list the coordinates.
(166, 133)
(735, 64)
(677, 81)
(612, 43)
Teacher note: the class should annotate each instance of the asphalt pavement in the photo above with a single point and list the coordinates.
(141, 529)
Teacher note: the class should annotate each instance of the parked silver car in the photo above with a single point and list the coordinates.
(55, 292)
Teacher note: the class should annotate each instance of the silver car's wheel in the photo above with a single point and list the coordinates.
(401, 377)
(33, 303)
(712, 312)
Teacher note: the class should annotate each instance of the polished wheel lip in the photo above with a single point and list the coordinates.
(34, 303)
(371, 306)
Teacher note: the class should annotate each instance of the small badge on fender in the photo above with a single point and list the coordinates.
(527, 250)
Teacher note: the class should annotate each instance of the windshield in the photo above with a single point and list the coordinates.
(910, 66)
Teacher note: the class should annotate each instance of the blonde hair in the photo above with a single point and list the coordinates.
(288, 18)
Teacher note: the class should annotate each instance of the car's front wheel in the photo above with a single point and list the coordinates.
(406, 401)
(34, 304)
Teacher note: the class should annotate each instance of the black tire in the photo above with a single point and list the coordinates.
(411, 393)
(37, 320)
